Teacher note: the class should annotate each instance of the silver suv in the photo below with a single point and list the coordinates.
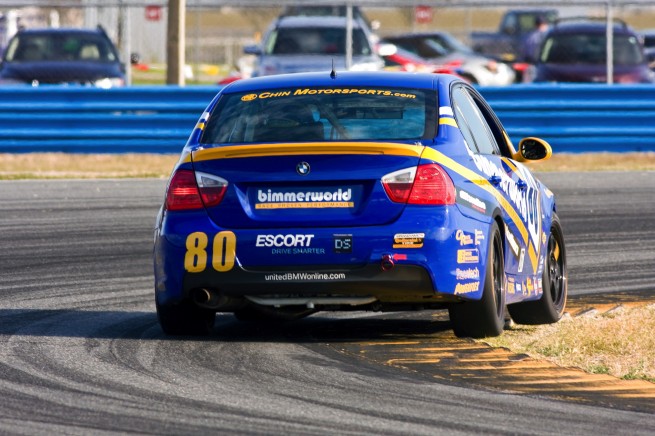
(302, 43)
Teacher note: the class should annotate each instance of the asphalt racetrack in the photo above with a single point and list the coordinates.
(81, 351)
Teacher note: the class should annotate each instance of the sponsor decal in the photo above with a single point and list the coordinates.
(343, 243)
(290, 199)
(467, 274)
(346, 91)
(249, 97)
(463, 238)
(479, 236)
(513, 243)
(518, 288)
(308, 250)
(526, 201)
(304, 276)
(529, 286)
(290, 240)
(521, 259)
(466, 288)
(510, 288)
(471, 201)
(468, 255)
(326, 91)
(408, 240)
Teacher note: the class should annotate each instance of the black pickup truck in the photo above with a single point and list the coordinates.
(506, 43)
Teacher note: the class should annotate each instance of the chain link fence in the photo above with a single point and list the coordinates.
(217, 31)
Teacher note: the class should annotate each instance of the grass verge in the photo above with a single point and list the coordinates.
(92, 166)
(85, 166)
(619, 342)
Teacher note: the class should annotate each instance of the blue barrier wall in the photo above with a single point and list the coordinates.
(573, 118)
(578, 118)
(90, 120)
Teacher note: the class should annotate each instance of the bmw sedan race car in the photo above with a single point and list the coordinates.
(357, 191)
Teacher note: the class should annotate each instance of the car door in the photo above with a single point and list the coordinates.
(516, 189)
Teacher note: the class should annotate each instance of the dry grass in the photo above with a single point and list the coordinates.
(85, 166)
(619, 342)
(597, 162)
(89, 166)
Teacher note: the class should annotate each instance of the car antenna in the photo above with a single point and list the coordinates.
(333, 74)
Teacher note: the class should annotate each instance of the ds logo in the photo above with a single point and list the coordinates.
(343, 243)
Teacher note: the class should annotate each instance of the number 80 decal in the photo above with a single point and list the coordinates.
(223, 252)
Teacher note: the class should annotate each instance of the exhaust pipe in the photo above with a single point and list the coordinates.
(202, 297)
(213, 299)
(387, 262)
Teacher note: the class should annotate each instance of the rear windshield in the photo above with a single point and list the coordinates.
(322, 114)
(315, 41)
(591, 49)
(60, 47)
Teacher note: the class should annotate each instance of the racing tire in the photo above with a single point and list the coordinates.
(484, 317)
(265, 314)
(185, 318)
(550, 307)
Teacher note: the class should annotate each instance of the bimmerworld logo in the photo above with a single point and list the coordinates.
(272, 199)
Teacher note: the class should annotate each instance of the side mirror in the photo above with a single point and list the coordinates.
(533, 149)
(252, 50)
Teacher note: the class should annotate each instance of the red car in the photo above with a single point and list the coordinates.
(399, 59)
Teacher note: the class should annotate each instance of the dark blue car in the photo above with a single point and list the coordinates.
(62, 56)
(372, 191)
(575, 50)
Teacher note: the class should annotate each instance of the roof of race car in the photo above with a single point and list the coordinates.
(343, 78)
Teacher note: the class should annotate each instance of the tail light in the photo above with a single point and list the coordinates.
(425, 184)
(190, 190)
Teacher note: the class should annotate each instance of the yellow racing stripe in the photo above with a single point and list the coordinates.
(448, 121)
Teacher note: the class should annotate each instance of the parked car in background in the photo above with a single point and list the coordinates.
(506, 43)
(399, 59)
(575, 50)
(443, 48)
(339, 10)
(297, 44)
(648, 39)
(62, 56)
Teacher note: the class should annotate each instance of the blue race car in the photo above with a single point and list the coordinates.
(357, 191)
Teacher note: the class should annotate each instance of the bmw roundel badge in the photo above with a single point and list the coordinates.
(302, 168)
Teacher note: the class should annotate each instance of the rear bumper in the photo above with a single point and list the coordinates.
(401, 283)
(434, 267)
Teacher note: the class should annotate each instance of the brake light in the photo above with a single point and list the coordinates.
(189, 190)
(427, 184)
(212, 188)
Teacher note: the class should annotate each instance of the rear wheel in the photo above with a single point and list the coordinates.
(485, 317)
(550, 307)
(185, 318)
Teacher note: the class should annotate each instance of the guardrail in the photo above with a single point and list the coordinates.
(578, 117)
(90, 120)
(159, 119)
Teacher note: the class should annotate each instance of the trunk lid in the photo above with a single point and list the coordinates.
(305, 185)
